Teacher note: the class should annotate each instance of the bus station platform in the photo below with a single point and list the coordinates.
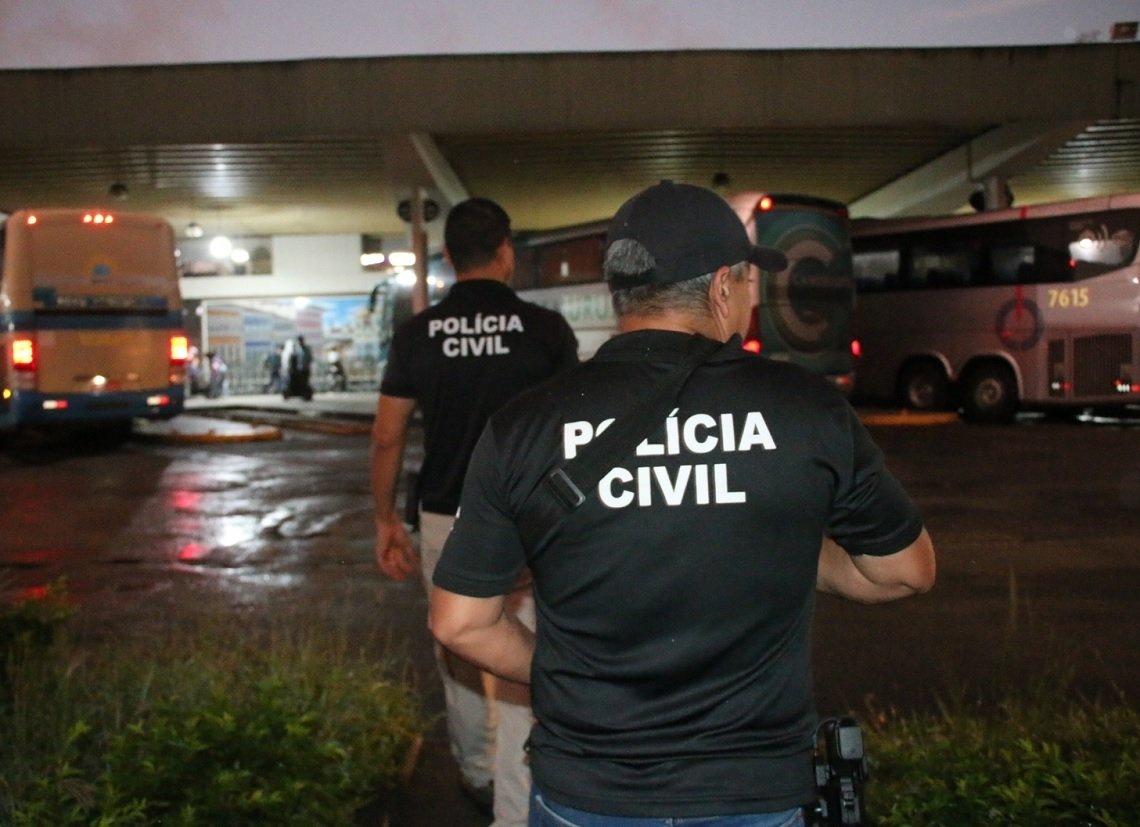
(260, 417)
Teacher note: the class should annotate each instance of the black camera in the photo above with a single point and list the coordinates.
(840, 771)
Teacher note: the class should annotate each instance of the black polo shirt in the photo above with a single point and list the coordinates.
(461, 360)
(672, 668)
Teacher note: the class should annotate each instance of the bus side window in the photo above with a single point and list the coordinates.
(1051, 265)
(1031, 265)
(943, 267)
(526, 269)
(1010, 264)
(876, 270)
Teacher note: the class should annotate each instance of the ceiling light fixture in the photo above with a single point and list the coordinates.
(221, 247)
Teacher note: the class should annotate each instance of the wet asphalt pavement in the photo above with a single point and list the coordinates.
(1035, 526)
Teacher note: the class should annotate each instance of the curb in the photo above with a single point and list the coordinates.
(188, 428)
(905, 417)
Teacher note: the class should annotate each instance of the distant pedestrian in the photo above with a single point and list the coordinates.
(219, 375)
(336, 370)
(300, 371)
(272, 365)
(196, 374)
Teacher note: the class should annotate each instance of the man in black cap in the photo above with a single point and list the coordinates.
(670, 670)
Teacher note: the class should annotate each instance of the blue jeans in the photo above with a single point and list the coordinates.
(550, 814)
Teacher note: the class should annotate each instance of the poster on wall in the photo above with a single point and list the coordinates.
(346, 334)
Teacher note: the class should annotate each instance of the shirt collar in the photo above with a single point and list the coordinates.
(469, 287)
(661, 346)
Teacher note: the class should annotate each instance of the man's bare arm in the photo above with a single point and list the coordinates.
(481, 630)
(870, 579)
(394, 551)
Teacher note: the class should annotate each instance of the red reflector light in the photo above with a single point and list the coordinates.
(856, 348)
(24, 354)
(752, 345)
(179, 350)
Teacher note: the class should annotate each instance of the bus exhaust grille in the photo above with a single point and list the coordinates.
(1098, 362)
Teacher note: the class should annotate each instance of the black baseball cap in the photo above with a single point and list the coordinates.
(689, 231)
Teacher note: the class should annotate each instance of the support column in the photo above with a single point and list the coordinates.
(420, 248)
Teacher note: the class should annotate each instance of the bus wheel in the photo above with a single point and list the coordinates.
(989, 394)
(923, 386)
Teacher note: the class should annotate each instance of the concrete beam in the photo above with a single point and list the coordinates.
(443, 175)
(562, 92)
(945, 184)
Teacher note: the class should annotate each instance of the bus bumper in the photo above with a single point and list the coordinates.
(37, 409)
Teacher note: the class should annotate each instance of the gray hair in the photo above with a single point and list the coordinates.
(626, 257)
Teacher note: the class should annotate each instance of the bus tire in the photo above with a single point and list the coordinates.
(923, 386)
(989, 393)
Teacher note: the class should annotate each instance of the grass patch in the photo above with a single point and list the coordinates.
(1030, 764)
(218, 724)
(1022, 748)
(224, 723)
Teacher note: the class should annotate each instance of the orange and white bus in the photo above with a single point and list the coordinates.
(91, 323)
(989, 313)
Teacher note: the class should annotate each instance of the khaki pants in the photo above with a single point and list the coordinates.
(488, 718)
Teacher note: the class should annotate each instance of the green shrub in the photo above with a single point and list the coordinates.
(33, 619)
(210, 727)
(1048, 764)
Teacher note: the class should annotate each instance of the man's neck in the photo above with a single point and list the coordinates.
(490, 272)
(673, 322)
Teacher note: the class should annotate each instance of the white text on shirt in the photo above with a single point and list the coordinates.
(479, 335)
(699, 433)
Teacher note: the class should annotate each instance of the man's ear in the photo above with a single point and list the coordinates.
(719, 291)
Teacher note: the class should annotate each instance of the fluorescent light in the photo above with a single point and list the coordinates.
(402, 258)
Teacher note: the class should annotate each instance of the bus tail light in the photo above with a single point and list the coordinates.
(179, 355)
(179, 350)
(24, 355)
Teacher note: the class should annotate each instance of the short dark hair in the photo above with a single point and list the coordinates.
(473, 232)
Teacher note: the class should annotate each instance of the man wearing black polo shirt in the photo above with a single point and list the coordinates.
(670, 671)
(460, 361)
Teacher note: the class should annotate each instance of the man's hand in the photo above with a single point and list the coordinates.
(395, 554)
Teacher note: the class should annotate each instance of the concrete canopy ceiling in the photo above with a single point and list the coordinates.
(331, 147)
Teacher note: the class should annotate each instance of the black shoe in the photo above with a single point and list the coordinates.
(484, 797)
